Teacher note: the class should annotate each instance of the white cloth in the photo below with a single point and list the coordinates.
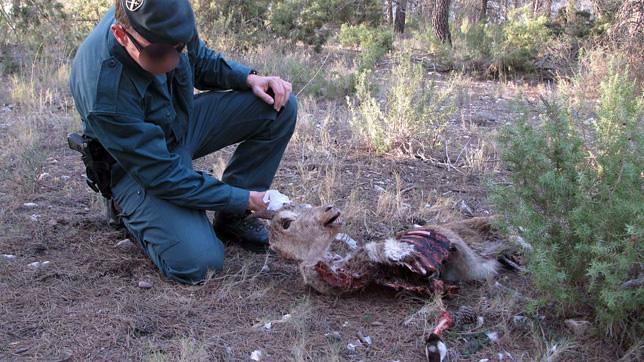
(275, 200)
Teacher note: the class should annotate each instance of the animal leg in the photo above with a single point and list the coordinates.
(435, 348)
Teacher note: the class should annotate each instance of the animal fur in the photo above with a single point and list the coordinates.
(305, 234)
(464, 264)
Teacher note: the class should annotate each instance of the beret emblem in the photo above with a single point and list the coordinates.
(133, 5)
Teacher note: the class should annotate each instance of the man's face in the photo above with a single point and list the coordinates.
(129, 38)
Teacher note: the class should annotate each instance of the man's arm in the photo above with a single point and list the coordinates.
(211, 70)
(139, 147)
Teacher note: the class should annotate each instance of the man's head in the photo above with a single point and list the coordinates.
(154, 32)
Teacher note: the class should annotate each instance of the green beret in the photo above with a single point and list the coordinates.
(161, 21)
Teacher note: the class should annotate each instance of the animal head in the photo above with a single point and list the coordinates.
(304, 233)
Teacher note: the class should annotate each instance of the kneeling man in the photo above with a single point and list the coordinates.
(133, 82)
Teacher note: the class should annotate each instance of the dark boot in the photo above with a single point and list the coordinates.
(249, 232)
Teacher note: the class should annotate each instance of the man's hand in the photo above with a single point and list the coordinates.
(281, 89)
(256, 201)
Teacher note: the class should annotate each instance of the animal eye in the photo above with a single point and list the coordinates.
(286, 223)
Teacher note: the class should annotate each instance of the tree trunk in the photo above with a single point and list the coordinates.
(606, 7)
(571, 11)
(399, 22)
(483, 10)
(534, 8)
(440, 21)
(547, 8)
(390, 12)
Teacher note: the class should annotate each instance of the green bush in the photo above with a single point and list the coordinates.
(374, 42)
(367, 119)
(413, 114)
(45, 31)
(497, 49)
(579, 26)
(312, 21)
(523, 38)
(580, 204)
(476, 43)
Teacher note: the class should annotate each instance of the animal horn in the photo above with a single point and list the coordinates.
(264, 214)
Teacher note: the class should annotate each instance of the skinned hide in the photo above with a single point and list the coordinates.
(416, 260)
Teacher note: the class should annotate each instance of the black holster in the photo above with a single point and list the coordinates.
(98, 162)
(98, 170)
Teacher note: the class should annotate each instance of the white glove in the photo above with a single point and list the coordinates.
(275, 200)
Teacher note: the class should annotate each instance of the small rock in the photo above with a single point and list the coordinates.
(30, 205)
(520, 320)
(43, 176)
(38, 265)
(479, 322)
(34, 217)
(145, 284)
(333, 336)
(578, 327)
(52, 161)
(352, 346)
(484, 360)
(8, 256)
(125, 245)
(365, 339)
(465, 209)
(265, 269)
(52, 222)
(492, 336)
(257, 355)
(65, 177)
(65, 355)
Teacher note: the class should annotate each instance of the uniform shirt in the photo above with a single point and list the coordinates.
(140, 118)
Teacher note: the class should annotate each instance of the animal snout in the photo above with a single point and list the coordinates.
(329, 208)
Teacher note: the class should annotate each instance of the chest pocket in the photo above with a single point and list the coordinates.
(161, 113)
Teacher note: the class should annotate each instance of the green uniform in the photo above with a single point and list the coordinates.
(154, 126)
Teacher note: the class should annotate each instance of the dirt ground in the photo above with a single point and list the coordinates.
(86, 303)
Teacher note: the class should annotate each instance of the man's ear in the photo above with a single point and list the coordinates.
(119, 34)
